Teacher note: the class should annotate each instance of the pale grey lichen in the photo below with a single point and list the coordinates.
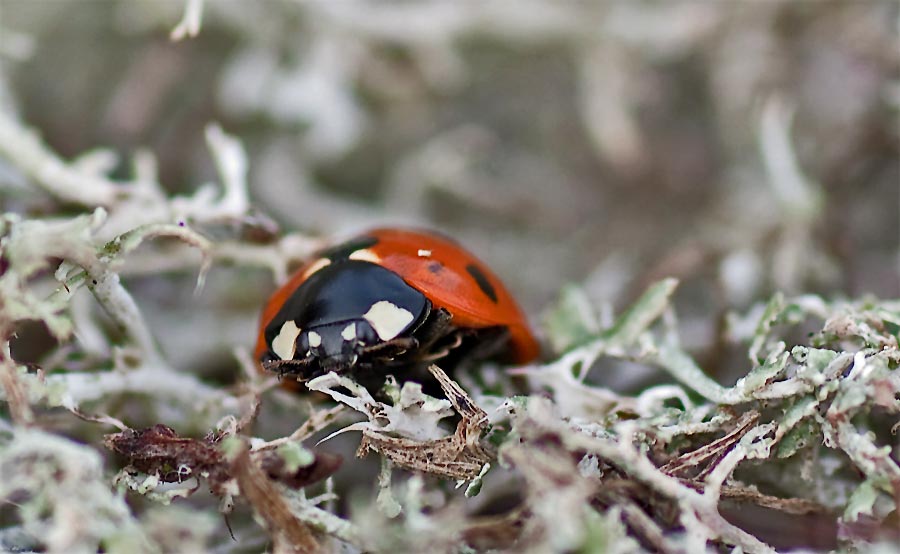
(564, 459)
(814, 392)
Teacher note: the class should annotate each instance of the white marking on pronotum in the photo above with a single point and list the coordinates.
(315, 339)
(316, 266)
(365, 255)
(424, 253)
(349, 332)
(285, 344)
(387, 319)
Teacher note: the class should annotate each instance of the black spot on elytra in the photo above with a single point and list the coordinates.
(483, 283)
(342, 251)
(435, 267)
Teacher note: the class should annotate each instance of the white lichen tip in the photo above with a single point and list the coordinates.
(189, 26)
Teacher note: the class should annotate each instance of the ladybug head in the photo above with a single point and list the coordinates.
(336, 345)
(345, 314)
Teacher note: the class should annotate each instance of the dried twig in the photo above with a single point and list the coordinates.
(710, 452)
(316, 422)
(459, 456)
(289, 533)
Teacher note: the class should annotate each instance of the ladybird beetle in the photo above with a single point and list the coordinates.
(388, 300)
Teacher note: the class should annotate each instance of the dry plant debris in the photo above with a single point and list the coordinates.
(160, 451)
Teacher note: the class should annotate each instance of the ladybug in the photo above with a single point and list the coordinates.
(390, 300)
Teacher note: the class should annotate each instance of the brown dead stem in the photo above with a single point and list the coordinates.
(158, 449)
(710, 453)
(459, 456)
(16, 394)
(289, 534)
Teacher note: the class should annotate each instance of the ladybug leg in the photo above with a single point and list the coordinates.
(286, 367)
(436, 327)
(490, 341)
(393, 347)
(456, 341)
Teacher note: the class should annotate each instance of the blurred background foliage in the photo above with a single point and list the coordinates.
(605, 143)
(577, 139)
(744, 148)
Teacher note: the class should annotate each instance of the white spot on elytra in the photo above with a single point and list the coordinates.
(365, 255)
(387, 319)
(316, 266)
(285, 344)
(315, 339)
(349, 332)
(424, 253)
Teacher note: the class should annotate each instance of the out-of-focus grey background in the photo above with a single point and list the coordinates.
(741, 147)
